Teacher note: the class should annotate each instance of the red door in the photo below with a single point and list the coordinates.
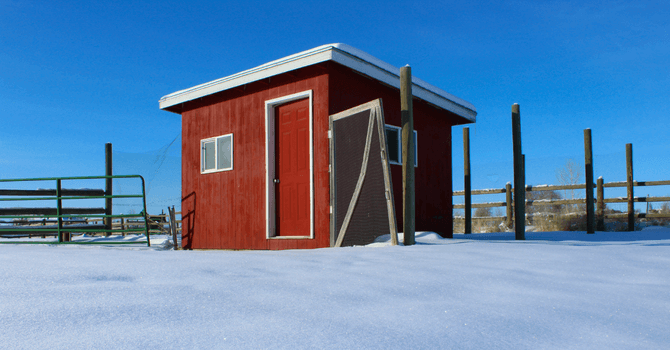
(292, 187)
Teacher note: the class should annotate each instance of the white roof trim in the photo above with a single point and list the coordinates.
(341, 53)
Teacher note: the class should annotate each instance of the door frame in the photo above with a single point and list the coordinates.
(270, 159)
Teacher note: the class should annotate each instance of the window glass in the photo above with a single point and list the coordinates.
(217, 153)
(393, 144)
(225, 152)
(416, 151)
(209, 155)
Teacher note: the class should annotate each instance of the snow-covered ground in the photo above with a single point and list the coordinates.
(556, 290)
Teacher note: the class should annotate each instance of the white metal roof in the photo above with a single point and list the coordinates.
(341, 53)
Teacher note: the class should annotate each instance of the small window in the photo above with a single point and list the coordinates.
(394, 145)
(217, 154)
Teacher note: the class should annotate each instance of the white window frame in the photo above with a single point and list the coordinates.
(416, 146)
(216, 154)
(270, 200)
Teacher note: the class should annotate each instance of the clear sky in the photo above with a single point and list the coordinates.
(77, 74)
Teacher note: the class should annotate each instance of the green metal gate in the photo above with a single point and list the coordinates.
(62, 217)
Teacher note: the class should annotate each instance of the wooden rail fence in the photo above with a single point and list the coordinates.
(158, 224)
(600, 200)
(515, 204)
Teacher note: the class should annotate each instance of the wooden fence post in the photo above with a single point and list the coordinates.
(588, 164)
(108, 188)
(523, 173)
(59, 211)
(525, 188)
(629, 185)
(508, 199)
(173, 226)
(519, 185)
(467, 184)
(600, 226)
(407, 122)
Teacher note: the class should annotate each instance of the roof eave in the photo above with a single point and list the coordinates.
(340, 53)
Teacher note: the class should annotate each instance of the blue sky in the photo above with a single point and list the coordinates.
(74, 75)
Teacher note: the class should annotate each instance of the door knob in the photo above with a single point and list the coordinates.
(276, 181)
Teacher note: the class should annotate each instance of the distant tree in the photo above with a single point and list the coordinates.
(543, 195)
(569, 174)
(482, 212)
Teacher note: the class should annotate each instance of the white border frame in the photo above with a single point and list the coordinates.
(416, 146)
(216, 154)
(270, 201)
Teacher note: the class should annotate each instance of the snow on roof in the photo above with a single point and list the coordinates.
(341, 53)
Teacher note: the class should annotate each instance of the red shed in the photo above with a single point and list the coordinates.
(243, 133)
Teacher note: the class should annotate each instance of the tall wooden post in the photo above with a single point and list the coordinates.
(600, 224)
(508, 200)
(519, 177)
(407, 121)
(467, 184)
(523, 172)
(588, 163)
(108, 188)
(629, 186)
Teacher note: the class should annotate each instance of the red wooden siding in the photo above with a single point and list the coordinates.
(227, 210)
(433, 126)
